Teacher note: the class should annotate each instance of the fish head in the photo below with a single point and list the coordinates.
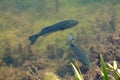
(71, 36)
(73, 22)
(67, 24)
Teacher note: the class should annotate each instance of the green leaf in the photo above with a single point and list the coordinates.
(79, 75)
(104, 70)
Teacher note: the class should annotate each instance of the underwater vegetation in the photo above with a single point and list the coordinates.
(104, 71)
(53, 28)
(103, 67)
(78, 74)
(97, 33)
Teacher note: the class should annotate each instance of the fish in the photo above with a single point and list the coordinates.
(80, 55)
(53, 28)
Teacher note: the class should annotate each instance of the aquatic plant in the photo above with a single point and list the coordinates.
(104, 70)
(19, 19)
(114, 69)
(78, 74)
(11, 73)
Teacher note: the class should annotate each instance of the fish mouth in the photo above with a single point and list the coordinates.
(75, 22)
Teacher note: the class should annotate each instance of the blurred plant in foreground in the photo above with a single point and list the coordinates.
(104, 69)
(78, 74)
(112, 68)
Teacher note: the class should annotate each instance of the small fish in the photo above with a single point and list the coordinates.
(81, 56)
(53, 28)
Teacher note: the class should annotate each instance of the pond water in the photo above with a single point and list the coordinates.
(94, 25)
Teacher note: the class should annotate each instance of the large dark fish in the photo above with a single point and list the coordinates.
(81, 56)
(53, 28)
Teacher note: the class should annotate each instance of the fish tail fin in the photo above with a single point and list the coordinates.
(33, 38)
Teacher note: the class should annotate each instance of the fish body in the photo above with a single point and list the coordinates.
(81, 56)
(53, 28)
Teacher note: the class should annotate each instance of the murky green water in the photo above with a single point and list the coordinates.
(95, 33)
